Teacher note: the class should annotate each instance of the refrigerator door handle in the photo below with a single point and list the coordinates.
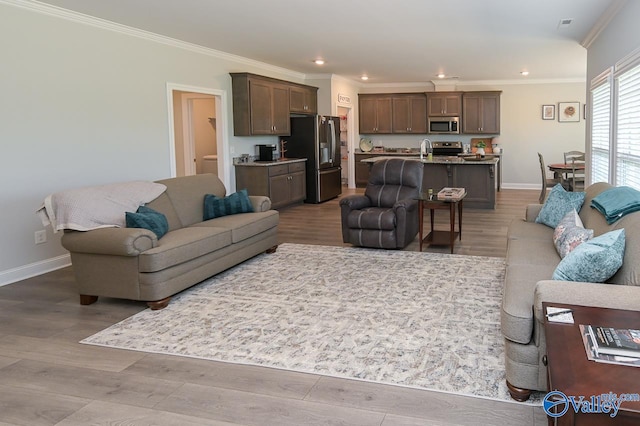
(333, 140)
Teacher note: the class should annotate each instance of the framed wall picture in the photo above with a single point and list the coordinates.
(548, 112)
(568, 111)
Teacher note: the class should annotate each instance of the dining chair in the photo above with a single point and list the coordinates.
(575, 177)
(546, 182)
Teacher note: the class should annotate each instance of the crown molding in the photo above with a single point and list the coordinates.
(603, 22)
(58, 12)
(524, 81)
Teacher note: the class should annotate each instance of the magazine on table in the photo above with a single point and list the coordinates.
(594, 355)
(616, 341)
(451, 193)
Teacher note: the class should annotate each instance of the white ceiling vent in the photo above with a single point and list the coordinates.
(564, 23)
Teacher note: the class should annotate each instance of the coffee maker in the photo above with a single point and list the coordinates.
(266, 152)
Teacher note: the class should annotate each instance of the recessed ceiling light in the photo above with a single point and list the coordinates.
(319, 61)
(525, 73)
(441, 75)
(364, 77)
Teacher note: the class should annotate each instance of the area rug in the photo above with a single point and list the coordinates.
(422, 320)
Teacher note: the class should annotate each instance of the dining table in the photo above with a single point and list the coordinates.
(562, 172)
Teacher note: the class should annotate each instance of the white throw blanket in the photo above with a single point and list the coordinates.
(96, 207)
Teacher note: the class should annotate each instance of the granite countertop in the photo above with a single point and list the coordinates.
(271, 163)
(436, 160)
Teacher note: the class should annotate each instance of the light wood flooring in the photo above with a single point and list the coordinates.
(48, 378)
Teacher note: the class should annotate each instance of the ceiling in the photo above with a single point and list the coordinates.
(403, 41)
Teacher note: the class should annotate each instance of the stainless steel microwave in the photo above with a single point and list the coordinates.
(444, 125)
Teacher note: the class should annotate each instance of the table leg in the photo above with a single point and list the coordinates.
(460, 219)
(452, 220)
(420, 220)
(431, 217)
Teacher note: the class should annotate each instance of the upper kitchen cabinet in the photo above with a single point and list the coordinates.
(444, 104)
(375, 113)
(260, 105)
(409, 113)
(303, 99)
(481, 112)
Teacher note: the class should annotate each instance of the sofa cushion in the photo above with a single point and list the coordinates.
(235, 203)
(528, 261)
(372, 218)
(570, 233)
(519, 229)
(147, 218)
(183, 245)
(558, 204)
(187, 193)
(244, 225)
(595, 261)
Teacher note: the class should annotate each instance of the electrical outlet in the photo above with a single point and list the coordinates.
(41, 237)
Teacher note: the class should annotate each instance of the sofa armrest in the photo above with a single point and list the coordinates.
(355, 202)
(613, 296)
(260, 203)
(111, 241)
(532, 212)
(407, 204)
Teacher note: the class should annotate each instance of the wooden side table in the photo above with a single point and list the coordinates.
(440, 238)
(570, 372)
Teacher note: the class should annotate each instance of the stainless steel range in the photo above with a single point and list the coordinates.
(447, 148)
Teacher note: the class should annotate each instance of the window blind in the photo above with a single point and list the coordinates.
(600, 131)
(628, 129)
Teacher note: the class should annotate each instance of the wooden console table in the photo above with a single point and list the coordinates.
(570, 372)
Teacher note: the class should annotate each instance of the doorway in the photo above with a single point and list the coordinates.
(345, 112)
(198, 142)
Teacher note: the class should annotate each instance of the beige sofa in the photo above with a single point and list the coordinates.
(531, 261)
(132, 263)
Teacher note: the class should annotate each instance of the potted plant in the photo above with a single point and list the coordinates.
(480, 147)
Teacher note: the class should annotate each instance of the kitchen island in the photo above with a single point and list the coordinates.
(476, 175)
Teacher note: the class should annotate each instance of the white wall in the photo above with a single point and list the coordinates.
(82, 106)
(618, 39)
(523, 133)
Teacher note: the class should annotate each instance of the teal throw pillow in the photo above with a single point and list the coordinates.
(558, 204)
(238, 202)
(570, 233)
(593, 261)
(148, 218)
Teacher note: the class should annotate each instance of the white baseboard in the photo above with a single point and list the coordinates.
(34, 269)
(535, 186)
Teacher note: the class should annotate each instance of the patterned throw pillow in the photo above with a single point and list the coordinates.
(559, 203)
(235, 203)
(570, 233)
(594, 261)
(148, 218)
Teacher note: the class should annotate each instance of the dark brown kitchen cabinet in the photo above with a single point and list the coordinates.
(362, 169)
(409, 113)
(375, 113)
(260, 105)
(303, 99)
(481, 112)
(444, 104)
(284, 184)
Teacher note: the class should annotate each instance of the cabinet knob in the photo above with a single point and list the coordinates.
(545, 361)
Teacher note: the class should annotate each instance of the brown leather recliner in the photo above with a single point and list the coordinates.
(386, 216)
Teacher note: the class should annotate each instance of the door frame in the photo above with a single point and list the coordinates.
(224, 154)
(351, 167)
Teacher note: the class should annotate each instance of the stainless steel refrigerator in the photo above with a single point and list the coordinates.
(317, 138)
